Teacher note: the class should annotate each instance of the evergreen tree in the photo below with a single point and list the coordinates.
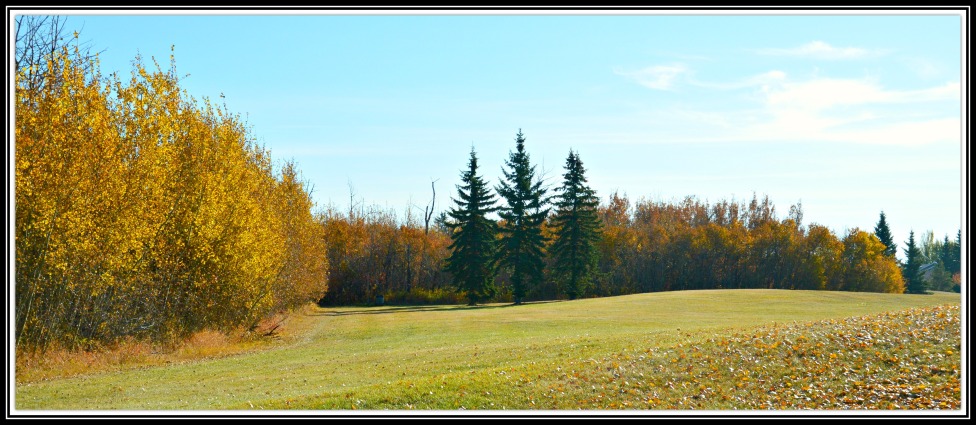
(941, 277)
(955, 265)
(914, 284)
(945, 254)
(883, 233)
(473, 248)
(577, 229)
(522, 242)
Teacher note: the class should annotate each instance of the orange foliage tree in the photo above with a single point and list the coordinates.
(664, 246)
(376, 254)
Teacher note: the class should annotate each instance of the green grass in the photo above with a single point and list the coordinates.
(618, 352)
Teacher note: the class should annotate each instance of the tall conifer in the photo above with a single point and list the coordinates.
(522, 242)
(473, 247)
(883, 233)
(914, 284)
(955, 266)
(577, 229)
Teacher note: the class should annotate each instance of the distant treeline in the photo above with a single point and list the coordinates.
(374, 254)
(644, 246)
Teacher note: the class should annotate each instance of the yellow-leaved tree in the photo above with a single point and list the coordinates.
(140, 213)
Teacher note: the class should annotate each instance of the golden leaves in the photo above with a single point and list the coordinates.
(895, 360)
(140, 212)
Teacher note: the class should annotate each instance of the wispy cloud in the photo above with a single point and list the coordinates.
(764, 80)
(824, 93)
(821, 50)
(657, 77)
(808, 110)
(817, 109)
(924, 68)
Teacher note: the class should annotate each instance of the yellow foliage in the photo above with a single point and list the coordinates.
(866, 268)
(141, 213)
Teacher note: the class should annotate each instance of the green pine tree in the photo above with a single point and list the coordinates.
(914, 284)
(945, 254)
(883, 233)
(522, 242)
(577, 229)
(473, 247)
(955, 265)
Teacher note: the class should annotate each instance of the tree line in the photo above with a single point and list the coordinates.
(143, 213)
(941, 259)
(522, 240)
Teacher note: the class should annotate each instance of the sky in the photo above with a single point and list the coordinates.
(848, 114)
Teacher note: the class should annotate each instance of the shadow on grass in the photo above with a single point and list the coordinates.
(385, 309)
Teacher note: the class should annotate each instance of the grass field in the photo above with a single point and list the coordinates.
(714, 350)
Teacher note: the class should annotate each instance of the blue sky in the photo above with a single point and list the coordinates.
(848, 114)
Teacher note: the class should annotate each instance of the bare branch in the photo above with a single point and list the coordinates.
(429, 214)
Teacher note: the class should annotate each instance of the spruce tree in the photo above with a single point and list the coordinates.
(955, 265)
(883, 233)
(473, 247)
(943, 251)
(577, 229)
(945, 254)
(522, 242)
(914, 284)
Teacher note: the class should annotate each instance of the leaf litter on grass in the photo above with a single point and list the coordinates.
(897, 360)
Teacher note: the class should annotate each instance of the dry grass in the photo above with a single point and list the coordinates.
(448, 357)
(55, 363)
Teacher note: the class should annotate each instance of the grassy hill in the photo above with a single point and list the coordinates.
(716, 349)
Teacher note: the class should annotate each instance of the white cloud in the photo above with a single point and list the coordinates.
(904, 133)
(826, 110)
(658, 77)
(824, 93)
(807, 127)
(818, 109)
(811, 111)
(925, 69)
(821, 50)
